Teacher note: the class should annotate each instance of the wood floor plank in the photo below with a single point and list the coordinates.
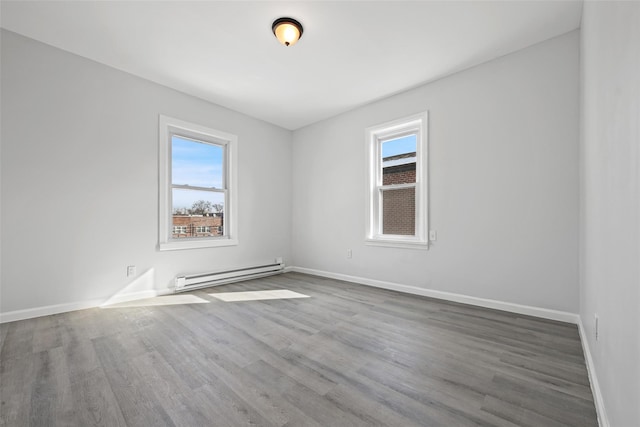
(94, 401)
(16, 377)
(313, 405)
(50, 395)
(135, 397)
(168, 388)
(18, 340)
(350, 398)
(260, 395)
(553, 404)
(349, 355)
(4, 328)
(517, 414)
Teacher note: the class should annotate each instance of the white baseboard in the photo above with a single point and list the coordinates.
(603, 421)
(544, 313)
(448, 296)
(29, 313)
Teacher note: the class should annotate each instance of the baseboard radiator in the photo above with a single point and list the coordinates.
(205, 280)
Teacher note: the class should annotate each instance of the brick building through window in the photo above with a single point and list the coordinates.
(399, 205)
(207, 225)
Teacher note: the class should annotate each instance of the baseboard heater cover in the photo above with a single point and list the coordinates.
(205, 280)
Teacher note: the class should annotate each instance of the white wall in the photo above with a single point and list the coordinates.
(610, 202)
(503, 191)
(80, 180)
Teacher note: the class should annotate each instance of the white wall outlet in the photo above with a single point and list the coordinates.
(131, 270)
(279, 260)
(596, 326)
(349, 253)
(433, 235)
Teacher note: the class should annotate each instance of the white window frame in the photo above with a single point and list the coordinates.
(376, 135)
(169, 127)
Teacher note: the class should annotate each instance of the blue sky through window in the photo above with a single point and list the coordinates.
(196, 164)
(406, 144)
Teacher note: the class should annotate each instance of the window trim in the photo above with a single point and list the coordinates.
(169, 126)
(375, 135)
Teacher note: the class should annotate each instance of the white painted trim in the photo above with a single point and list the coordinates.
(408, 244)
(47, 310)
(167, 126)
(603, 420)
(417, 124)
(197, 243)
(30, 313)
(562, 316)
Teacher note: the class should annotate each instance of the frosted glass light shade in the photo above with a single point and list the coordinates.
(287, 30)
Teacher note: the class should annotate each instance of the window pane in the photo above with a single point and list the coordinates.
(399, 160)
(196, 163)
(197, 213)
(399, 211)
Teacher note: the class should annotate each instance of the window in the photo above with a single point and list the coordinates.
(197, 186)
(179, 229)
(397, 187)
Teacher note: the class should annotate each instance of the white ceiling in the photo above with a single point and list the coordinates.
(351, 53)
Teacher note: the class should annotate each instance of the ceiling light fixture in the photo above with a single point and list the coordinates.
(287, 30)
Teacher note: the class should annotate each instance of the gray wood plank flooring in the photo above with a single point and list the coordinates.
(349, 355)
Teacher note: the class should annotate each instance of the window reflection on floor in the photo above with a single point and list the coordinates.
(257, 295)
(163, 300)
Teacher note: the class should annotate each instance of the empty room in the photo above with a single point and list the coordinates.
(320, 213)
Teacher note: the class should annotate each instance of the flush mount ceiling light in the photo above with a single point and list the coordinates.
(287, 30)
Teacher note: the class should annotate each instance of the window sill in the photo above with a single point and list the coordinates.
(196, 244)
(391, 243)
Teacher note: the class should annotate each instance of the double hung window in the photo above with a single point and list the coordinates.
(397, 192)
(197, 186)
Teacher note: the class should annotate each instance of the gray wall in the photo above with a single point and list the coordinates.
(610, 202)
(80, 180)
(503, 147)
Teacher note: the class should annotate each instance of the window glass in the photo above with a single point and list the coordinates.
(399, 211)
(196, 202)
(196, 164)
(399, 160)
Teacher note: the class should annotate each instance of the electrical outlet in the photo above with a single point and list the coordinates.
(433, 235)
(279, 260)
(349, 253)
(131, 270)
(597, 326)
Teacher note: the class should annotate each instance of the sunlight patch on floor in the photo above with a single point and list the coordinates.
(163, 300)
(257, 295)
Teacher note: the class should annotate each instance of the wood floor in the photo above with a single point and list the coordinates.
(349, 355)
